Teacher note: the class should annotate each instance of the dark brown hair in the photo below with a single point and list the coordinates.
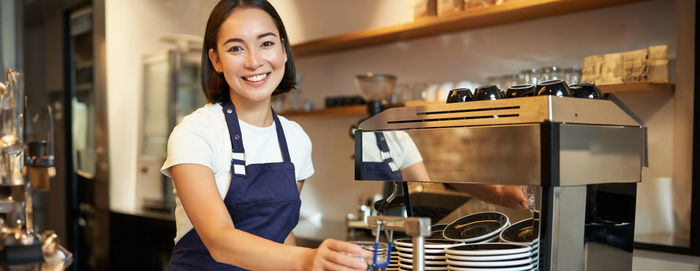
(214, 84)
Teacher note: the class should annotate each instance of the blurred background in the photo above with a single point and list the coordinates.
(120, 74)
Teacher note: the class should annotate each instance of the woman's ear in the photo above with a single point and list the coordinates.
(215, 61)
(284, 49)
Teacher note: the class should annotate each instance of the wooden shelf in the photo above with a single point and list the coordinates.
(637, 87)
(343, 111)
(509, 12)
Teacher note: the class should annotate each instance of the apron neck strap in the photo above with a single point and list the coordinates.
(381, 142)
(281, 138)
(236, 137)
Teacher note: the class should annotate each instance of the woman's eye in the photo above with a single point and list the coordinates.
(267, 44)
(235, 49)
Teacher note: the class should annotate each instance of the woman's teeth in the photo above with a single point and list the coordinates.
(256, 78)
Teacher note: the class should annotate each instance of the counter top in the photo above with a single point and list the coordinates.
(306, 228)
(159, 215)
(308, 232)
(317, 231)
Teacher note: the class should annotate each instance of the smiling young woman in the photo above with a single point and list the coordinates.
(251, 56)
(237, 167)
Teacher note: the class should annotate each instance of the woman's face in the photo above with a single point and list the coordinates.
(250, 54)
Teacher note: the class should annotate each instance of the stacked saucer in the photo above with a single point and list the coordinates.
(489, 256)
(394, 262)
(434, 249)
(523, 232)
(436, 231)
(477, 228)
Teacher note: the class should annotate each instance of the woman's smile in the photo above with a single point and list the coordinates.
(256, 78)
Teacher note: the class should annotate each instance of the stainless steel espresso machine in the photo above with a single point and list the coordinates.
(26, 164)
(582, 157)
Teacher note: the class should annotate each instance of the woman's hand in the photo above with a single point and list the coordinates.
(336, 255)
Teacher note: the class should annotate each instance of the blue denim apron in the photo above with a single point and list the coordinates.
(387, 169)
(262, 199)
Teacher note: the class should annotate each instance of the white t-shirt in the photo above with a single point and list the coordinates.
(402, 148)
(203, 138)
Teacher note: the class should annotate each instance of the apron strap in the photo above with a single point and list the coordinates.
(385, 152)
(234, 132)
(236, 138)
(281, 138)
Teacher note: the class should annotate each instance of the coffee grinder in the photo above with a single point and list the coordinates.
(376, 90)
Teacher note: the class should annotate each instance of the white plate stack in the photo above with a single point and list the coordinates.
(434, 249)
(394, 261)
(490, 257)
(535, 256)
(481, 227)
(436, 231)
(521, 233)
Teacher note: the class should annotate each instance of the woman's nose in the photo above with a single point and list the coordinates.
(253, 60)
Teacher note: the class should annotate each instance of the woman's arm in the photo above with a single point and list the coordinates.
(510, 196)
(200, 197)
(290, 240)
(415, 172)
(300, 184)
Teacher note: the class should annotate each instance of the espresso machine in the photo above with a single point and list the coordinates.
(27, 163)
(581, 158)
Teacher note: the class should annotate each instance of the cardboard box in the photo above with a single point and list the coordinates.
(424, 8)
(643, 65)
(449, 7)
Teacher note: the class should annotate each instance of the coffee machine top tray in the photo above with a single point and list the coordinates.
(522, 110)
(540, 140)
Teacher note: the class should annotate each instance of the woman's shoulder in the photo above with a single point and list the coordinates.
(290, 124)
(292, 128)
(205, 115)
(204, 119)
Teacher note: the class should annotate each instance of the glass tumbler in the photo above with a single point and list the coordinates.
(557, 73)
(418, 91)
(402, 94)
(529, 192)
(575, 76)
(507, 80)
(551, 73)
(527, 77)
(491, 80)
(382, 252)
